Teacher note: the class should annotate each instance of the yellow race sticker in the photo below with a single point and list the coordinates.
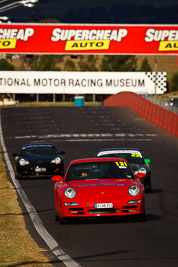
(168, 46)
(8, 43)
(121, 164)
(87, 45)
(135, 155)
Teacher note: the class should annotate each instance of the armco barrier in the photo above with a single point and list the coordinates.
(163, 118)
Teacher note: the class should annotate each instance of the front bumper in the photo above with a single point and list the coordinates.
(90, 211)
(35, 171)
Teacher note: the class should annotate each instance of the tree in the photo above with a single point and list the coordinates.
(50, 21)
(145, 66)
(46, 63)
(69, 65)
(118, 63)
(27, 61)
(5, 65)
(88, 63)
(174, 82)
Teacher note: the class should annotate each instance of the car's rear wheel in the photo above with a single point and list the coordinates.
(149, 189)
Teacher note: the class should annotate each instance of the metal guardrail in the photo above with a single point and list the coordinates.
(163, 104)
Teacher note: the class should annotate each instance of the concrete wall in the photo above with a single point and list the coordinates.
(159, 116)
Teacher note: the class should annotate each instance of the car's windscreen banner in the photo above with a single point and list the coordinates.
(61, 82)
(88, 39)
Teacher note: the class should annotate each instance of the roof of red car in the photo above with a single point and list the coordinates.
(96, 159)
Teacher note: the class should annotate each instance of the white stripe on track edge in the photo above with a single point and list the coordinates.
(52, 244)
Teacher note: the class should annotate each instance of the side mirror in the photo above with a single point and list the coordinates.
(147, 161)
(15, 154)
(140, 175)
(57, 178)
(61, 152)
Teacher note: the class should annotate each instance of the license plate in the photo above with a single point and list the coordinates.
(103, 205)
(40, 169)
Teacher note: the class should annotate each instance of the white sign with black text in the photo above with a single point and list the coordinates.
(58, 82)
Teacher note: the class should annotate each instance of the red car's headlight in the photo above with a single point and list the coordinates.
(70, 192)
(134, 190)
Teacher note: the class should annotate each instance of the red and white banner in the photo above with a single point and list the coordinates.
(88, 39)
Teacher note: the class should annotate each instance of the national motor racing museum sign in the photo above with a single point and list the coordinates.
(40, 82)
(88, 39)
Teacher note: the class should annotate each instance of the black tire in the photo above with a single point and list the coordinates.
(59, 219)
(149, 190)
(56, 217)
(18, 177)
(140, 217)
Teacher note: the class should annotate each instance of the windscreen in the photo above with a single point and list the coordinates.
(132, 158)
(33, 151)
(99, 170)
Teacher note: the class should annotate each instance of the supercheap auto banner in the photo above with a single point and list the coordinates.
(88, 39)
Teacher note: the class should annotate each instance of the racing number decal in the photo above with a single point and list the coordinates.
(121, 164)
(8, 43)
(135, 155)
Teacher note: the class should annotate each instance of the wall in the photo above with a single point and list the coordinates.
(159, 116)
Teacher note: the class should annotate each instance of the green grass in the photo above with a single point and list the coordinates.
(49, 104)
(17, 247)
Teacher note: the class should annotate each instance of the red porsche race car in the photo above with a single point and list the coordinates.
(98, 187)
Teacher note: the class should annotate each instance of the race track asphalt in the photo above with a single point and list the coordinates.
(81, 132)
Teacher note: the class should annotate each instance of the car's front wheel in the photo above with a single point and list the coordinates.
(140, 217)
(59, 219)
(18, 176)
(56, 217)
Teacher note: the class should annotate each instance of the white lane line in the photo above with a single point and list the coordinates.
(93, 140)
(52, 244)
(99, 140)
(77, 135)
(105, 140)
(96, 140)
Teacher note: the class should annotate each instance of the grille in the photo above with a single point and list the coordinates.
(77, 211)
(103, 211)
(41, 163)
(129, 209)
